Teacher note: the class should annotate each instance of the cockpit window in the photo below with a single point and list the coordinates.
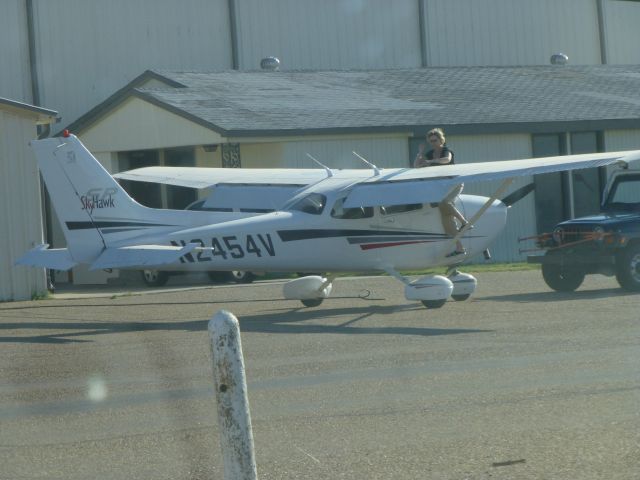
(313, 203)
(392, 209)
(338, 211)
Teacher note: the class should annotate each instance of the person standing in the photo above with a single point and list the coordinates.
(439, 154)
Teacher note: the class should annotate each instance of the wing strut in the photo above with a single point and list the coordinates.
(375, 169)
(501, 189)
(327, 169)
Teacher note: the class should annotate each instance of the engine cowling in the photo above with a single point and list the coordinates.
(307, 288)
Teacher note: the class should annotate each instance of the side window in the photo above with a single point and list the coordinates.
(313, 203)
(393, 209)
(338, 211)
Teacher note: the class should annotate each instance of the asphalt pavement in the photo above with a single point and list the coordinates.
(518, 382)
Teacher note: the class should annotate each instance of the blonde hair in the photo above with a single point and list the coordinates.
(436, 132)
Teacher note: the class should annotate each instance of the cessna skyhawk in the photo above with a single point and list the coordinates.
(323, 220)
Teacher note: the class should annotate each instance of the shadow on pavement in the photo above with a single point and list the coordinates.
(283, 321)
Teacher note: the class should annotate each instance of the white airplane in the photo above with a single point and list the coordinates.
(358, 220)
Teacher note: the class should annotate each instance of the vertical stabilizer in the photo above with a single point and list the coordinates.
(88, 201)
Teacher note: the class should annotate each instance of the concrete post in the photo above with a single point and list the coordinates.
(234, 419)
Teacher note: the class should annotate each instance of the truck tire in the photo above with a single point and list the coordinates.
(628, 268)
(562, 278)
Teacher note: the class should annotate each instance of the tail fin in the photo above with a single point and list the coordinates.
(93, 209)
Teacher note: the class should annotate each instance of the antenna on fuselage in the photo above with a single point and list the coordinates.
(327, 169)
(375, 169)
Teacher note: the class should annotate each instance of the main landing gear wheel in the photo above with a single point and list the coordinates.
(154, 278)
(312, 302)
(241, 276)
(562, 278)
(434, 303)
(461, 298)
(628, 268)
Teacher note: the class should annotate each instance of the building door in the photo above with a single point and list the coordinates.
(587, 183)
(550, 201)
(145, 193)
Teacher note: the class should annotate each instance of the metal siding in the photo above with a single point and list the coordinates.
(307, 34)
(89, 49)
(521, 220)
(511, 32)
(14, 52)
(20, 214)
(617, 140)
(622, 20)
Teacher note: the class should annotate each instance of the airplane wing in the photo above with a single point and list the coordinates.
(431, 184)
(198, 177)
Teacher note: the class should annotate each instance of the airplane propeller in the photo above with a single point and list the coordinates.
(518, 194)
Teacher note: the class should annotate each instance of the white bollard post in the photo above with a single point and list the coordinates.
(234, 419)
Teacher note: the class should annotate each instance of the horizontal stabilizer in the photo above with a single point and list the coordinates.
(54, 259)
(143, 256)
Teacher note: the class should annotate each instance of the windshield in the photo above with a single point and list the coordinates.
(624, 194)
(313, 203)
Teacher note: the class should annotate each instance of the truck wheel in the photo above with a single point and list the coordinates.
(562, 278)
(154, 278)
(628, 268)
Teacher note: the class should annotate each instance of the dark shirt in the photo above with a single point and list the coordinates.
(443, 153)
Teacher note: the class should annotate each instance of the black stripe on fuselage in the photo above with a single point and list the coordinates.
(111, 224)
(292, 235)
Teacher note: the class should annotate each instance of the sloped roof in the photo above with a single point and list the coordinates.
(462, 99)
(43, 115)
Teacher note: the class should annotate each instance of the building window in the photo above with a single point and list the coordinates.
(231, 155)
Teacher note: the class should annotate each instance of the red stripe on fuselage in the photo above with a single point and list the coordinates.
(370, 246)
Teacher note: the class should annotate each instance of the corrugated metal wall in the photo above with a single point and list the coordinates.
(89, 49)
(20, 188)
(623, 27)
(511, 32)
(14, 52)
(342, 34)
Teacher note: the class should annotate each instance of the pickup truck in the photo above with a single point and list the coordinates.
(607, 243)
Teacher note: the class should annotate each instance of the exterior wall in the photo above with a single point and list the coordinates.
(617, 140)
(139, 125)
(623, 35)
(384, 152)
(88, 49)
(511, 32)
(521, 219)
(20, 208)
(14, 52)
(307, 34)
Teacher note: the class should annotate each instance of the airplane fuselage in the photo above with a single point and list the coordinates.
(294, 240)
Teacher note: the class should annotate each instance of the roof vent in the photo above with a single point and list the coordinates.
(559, 59)
(270, 63)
